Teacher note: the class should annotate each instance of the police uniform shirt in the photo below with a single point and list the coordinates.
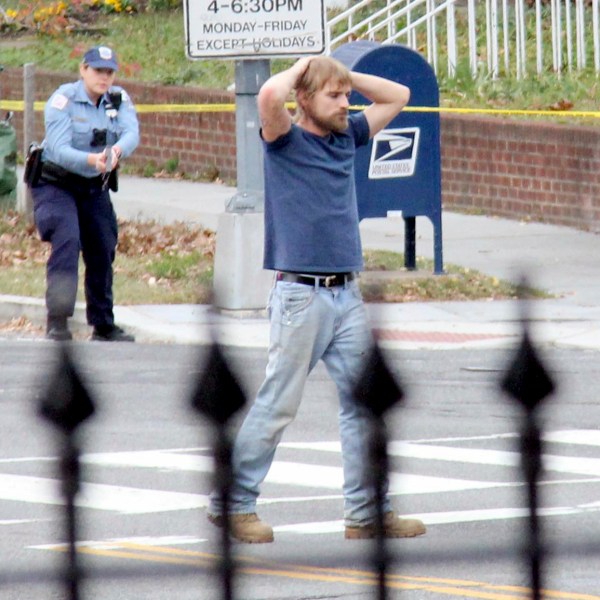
(70, 119)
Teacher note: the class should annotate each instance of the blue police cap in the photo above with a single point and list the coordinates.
(101, 57)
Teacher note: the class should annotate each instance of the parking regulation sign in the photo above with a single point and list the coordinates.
(253, 28)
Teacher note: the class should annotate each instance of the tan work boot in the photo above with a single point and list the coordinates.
(393, 527)
(246, 528)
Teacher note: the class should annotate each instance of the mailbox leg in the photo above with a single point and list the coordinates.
(437, 245)
(410, 257)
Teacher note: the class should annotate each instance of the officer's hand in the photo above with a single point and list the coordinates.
(116, 155)
(100, 161)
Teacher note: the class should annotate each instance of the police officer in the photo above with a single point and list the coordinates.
(90, 126)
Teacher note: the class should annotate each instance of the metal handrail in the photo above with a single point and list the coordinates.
(497, 33)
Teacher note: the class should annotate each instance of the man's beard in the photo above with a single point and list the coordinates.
(337, 123)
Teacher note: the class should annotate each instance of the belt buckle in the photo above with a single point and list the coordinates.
(330, 280)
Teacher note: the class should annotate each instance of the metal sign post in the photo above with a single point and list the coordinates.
(239, 281)
(249, 31)
(249, 76)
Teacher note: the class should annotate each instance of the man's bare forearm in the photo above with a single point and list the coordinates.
(388, 99)
(277, 89)
(380, 90)
(274, 118)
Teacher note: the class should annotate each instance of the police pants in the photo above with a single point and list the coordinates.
(75, 220)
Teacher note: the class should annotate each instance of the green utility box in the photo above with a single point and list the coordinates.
(8, 164)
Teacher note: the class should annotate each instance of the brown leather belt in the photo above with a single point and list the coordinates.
(318, 279)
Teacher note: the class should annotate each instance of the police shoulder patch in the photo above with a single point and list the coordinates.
(59, 101)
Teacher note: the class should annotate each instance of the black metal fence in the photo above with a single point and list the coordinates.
(217, 396)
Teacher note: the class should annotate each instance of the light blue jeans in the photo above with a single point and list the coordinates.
(307, 324)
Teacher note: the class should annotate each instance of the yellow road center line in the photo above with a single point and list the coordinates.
(133, 556)
(450, 587)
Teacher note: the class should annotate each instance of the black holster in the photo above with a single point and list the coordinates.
(113, 180)
(33, 165)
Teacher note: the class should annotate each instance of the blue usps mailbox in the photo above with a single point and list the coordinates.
(400, 168)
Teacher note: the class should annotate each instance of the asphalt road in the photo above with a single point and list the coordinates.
(147, 470)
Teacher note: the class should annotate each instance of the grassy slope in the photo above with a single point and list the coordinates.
(152, 48)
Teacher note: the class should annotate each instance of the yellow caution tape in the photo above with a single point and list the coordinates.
(19, 105)
(505, 111)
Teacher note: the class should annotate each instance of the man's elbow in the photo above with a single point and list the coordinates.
(269, 98)
(404, 96)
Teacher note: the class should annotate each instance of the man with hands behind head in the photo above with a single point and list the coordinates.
(312, 242)
(90, 126)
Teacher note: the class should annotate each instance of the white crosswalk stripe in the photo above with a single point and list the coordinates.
(98, 496)
(562, 464)
(323, 480)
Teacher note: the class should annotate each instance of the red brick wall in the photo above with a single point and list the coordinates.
(522, 169)
(511, 168)
(203, 143)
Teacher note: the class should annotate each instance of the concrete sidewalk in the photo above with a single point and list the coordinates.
(557, 259)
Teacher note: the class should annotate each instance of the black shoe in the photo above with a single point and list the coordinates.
(111, 333)
(57, 330)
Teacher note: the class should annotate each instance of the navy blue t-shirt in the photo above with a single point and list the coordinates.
(311, 213)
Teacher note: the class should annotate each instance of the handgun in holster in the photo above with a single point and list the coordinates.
(33, 165)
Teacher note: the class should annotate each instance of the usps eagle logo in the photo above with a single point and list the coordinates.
(394, 153)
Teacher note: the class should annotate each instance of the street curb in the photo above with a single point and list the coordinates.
(34, 309)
